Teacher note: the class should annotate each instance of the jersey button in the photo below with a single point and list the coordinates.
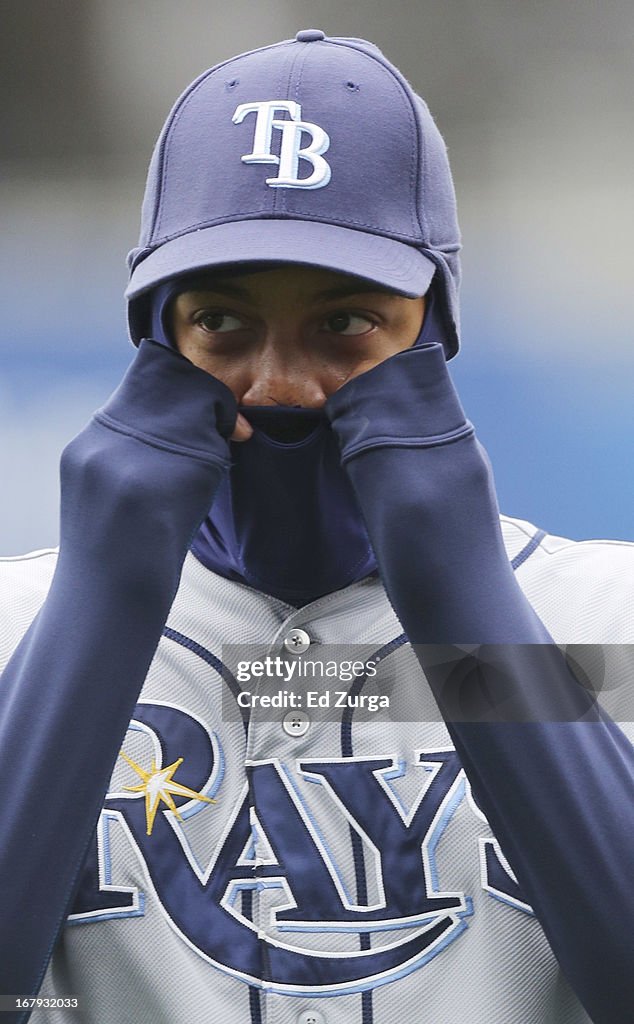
(310, 35)
(311, 1017)
(295, 723)
(297, 641)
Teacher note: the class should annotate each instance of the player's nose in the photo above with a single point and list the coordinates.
(284, 387)
(283, 373)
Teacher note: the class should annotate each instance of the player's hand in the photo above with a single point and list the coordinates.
(149, 461)
(242, 430)
(407, 398)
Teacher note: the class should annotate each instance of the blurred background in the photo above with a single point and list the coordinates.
(535, 102)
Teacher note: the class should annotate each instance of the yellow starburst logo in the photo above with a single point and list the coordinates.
(158, 785)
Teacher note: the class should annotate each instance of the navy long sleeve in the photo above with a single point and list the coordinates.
(136, 483)
(552, 773)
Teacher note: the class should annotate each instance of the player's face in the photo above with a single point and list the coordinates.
(291, 335)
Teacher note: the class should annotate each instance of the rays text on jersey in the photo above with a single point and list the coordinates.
(278, 872)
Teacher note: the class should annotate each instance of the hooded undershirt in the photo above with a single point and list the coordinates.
(285, 519)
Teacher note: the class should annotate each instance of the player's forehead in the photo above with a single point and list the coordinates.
(250, 280)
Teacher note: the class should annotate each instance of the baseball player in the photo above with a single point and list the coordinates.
(295, 727)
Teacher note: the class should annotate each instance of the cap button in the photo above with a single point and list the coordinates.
(310, 35)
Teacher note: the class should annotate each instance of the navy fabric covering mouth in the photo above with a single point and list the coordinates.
(287, 425)
(285, 519)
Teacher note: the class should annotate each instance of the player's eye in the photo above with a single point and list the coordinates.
(348, 323)
(218, 322)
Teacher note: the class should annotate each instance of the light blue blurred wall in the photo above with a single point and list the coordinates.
(534, 101)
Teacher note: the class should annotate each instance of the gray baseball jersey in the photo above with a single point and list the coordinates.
(288, 841)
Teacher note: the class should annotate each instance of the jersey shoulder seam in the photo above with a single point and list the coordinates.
(29, 555)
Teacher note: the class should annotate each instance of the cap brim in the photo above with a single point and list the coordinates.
(389, 263)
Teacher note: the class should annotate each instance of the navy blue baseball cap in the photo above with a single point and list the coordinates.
(313, 151)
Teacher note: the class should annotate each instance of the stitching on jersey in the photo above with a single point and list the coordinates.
(29, 555)
(367, 1014)
(209, 658)
(594, 541)
(528, 549)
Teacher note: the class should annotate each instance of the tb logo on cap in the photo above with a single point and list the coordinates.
(290, 146)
